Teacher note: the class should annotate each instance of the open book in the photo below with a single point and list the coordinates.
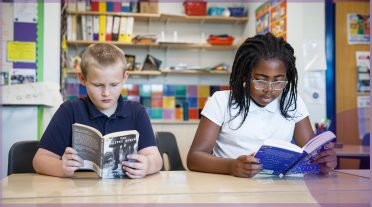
(104, 154)
(280, 158)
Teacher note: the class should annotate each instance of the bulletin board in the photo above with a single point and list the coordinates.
(346, 74)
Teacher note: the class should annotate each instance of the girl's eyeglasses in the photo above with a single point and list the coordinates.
(276, 85)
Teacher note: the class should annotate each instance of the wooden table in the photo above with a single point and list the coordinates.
(359, 152)
(187, 187)
(361, 173)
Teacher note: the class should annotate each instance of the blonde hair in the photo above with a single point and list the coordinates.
(101, 55)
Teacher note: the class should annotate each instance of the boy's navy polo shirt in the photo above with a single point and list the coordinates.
(128, 116)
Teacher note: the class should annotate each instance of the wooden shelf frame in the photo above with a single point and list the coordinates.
(166, 17)
(158, 45)
(170, 72)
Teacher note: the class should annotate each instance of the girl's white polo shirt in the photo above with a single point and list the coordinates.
(261, 123)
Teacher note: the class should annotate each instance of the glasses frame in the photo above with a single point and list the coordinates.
(268, 84)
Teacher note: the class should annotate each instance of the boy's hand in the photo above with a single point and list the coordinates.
(137, 167)
(327, 159)
(70, 161)
(245, 166)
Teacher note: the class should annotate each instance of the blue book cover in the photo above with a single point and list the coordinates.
(280, 158)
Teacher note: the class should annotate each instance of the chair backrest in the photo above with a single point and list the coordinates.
(167, 145)
(20, 157)
(366, 139)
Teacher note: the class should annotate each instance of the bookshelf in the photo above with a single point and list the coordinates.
(189, 48)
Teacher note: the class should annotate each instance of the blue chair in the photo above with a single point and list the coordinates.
(364, 161)
(20, 157)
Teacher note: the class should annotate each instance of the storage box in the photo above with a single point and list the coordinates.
(195, 8)
(220, 40)
(149, 6)
(236, 11)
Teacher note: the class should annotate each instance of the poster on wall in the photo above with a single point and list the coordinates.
(358, 28)
(363, 69)
(271, 16)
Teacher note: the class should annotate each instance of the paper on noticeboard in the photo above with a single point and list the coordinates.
(25, 12)
(44, 93)
(314, 55)
(21, 51)
(314, 87)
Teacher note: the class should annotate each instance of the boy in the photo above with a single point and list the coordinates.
(103, 73)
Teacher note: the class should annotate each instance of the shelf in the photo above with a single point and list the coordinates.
(195, 72)
(161, 45)
(165, 72)
(166, 17)
(88, 42)
(137, 16)
(219, 19)
(149, 73)
(161, 121)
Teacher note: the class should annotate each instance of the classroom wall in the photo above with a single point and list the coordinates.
(21, 122)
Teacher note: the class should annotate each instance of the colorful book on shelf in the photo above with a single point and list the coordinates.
(84, 27)
(94, 5)
(109, 6)
(109, 23)
(115, 29)
(126, 29)
(71, 6)
(95, 28)
(81, 5)
(122, 29)
(279, 157)
(89, 29)
(102, 6)
(117, 6)
(71, 27)
(102, 28)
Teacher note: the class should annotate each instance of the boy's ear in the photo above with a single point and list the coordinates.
(81, 78)
(125, 76)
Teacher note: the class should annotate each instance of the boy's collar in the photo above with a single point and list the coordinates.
(95, 113)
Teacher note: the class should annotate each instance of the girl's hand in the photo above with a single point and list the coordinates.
(70, 162)
(327, 159)
(137, 167)
(245, 166)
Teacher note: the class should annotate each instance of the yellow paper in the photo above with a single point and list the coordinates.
(21, 51)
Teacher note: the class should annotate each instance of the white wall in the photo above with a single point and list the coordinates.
(305, 24)
(20, 122)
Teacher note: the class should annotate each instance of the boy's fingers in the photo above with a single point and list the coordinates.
(139, 158)
(70, 150)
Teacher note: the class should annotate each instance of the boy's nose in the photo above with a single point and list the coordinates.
(105, 92)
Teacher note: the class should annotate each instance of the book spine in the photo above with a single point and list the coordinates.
(102, 149)
(102, 28)
(95, 27)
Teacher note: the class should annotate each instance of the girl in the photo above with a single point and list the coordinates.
(262, 104)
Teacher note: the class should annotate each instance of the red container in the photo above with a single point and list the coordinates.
(216, 40)
(195, 8)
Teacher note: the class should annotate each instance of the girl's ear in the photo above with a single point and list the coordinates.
(125, 76)
(82, 78)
